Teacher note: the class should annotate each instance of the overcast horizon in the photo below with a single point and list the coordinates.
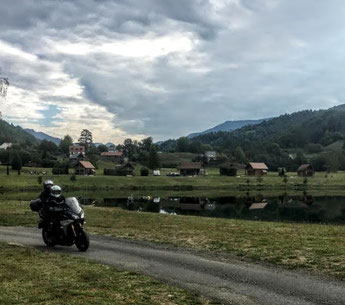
(166, 68)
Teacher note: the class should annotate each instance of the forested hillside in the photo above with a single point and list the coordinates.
(288, 140)
(15, 134)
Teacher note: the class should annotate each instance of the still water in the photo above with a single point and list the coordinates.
(300, 207)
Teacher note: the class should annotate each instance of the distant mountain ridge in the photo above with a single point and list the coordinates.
(43, 136)
(227, 127)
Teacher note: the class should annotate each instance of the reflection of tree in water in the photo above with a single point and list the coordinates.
(307, 199)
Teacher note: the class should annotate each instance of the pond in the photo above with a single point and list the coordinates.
(295, 207)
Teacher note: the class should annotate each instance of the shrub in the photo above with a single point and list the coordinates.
(144, 171)
(115, 172)
(228, 171)
(60, 169)
(73, 177)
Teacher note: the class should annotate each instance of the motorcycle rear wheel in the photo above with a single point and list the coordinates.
(47, 238)
(82, 241)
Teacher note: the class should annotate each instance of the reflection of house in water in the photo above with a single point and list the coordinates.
(258, 205)
(191, 203)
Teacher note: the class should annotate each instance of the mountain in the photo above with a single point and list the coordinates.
(43, 136)
(309, 136)
(15, 134)
(227, 127)
(109, 144)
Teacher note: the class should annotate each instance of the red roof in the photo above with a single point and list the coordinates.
(257, 165)
(86, 164)
(112, 153)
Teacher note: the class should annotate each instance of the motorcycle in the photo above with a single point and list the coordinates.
(67, 228)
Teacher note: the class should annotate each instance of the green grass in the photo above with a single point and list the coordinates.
(314, 247)
(29, 276)
(213, 181)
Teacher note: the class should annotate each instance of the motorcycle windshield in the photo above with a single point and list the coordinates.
(73, 205)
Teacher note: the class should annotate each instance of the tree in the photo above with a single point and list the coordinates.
(146, 144)
(183, 144)
(154, 161)
(240, 155)
(48, 146)
(65, 143)
(16, 162)
(128, 148)
(102, 148)
(86, 138)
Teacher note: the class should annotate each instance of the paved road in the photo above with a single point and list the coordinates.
(232, 282)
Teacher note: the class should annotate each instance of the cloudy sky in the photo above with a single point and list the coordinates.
(166, 68)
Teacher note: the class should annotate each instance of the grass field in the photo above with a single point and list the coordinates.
(29, 276)
(314, 247)
(211, 181)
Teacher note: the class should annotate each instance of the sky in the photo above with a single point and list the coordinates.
(126, 68)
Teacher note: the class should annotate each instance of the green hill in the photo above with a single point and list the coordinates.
(287, 140)
(15, 134)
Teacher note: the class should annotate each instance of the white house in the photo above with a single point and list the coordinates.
(210, 155)
(5, 145)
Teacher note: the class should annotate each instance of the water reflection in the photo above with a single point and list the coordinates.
(301, 208)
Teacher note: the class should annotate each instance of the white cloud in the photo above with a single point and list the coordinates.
(167, 68)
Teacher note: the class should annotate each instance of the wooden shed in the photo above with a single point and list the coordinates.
(305, 170)
(84, 168)
(256, 169)
(126, 169)
(113, 156)
(191, 168)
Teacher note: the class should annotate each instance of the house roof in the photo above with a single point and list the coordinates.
(112, 153)
(86, 164)
(190, 165)
(257, 165)
(304, 167)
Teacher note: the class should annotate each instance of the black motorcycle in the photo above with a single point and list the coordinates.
(63, 225)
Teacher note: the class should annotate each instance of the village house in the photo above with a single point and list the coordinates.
(191, 168)
(256, 169)
(305, 170)
(5, 145)
(210, 156)
(76, 150)
(113, 156)
(84, 168)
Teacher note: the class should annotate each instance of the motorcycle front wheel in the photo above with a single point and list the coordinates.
(82, 241)
(48, 239)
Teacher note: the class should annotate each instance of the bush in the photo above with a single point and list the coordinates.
(115, 172)
(144, 171)
(228, 171)
(60, 169)
(73, 178)
(109, 172)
